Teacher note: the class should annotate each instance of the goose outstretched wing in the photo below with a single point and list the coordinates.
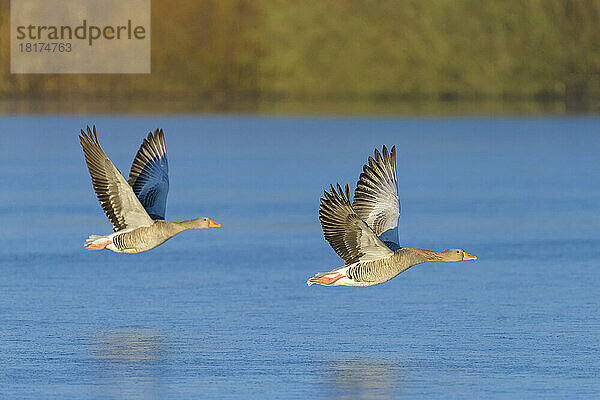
(149, 175)
(376, 196)
(347, 234)
(116, 197)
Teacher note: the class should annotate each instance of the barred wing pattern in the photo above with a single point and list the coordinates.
(347, 234)
(116, 197)
(149, 175)
(376, 196)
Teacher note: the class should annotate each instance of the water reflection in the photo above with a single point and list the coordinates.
(362, 379)
(129, 361)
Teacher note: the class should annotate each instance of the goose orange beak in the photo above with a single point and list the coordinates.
(213, 224)
(467, 256)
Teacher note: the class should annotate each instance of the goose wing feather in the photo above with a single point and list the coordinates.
(347, 234)
(116, 197)
(376, 196)
(149, 175)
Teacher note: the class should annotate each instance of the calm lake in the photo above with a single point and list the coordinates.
(226, 313)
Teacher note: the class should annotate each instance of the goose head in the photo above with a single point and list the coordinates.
(457, 255)
(203, 223)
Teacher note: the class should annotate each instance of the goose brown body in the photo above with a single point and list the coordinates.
(369, 273)
(148, 237)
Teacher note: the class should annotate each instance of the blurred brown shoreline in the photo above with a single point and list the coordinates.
(343, 57)
(316, 107)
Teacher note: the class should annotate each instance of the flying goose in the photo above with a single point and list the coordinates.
(136, 208)
(364, 233)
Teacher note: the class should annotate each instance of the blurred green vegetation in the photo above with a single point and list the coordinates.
(262, 54)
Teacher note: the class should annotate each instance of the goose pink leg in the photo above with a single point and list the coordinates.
(101, 246)
(324, 280)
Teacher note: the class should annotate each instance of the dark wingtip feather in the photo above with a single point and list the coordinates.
(88, 135)
(378, 156)
(87, 138)
(371, 162)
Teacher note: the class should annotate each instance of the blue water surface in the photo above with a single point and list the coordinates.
(226, 313)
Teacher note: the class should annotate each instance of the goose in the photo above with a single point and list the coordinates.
(364, 232)
(136, 208)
